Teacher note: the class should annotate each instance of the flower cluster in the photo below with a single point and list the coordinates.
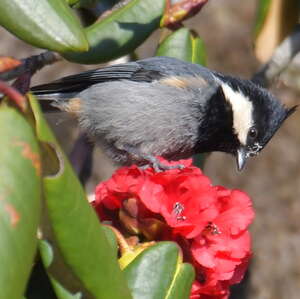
(208, 222)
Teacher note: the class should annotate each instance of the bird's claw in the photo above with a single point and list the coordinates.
(158, 166)
(153, 161)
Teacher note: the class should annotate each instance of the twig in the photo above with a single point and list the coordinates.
(14, 95)
(31, 65)
(280, 59)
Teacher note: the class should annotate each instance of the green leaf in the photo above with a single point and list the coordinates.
(182, 283)
(185, 45)
(157, 273)
(72, 2)
(77, 231)
(62, 293)
(199, 160)
(275, 21)
(48, 256)
(262, 10)
(111, 238)
(83, 3)
(20, 192)
(48, 24)
(121, 32)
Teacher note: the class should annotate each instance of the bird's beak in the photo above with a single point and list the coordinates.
(241, 158)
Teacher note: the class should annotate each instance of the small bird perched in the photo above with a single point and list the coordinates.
(165, 107)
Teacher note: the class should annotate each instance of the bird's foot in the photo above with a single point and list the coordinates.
(159, 166)
(152, 161)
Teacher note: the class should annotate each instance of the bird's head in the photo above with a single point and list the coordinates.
(256, 116)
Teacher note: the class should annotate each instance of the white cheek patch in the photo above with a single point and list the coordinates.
(242, 112)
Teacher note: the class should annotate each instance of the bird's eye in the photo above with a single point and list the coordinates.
(253, 132)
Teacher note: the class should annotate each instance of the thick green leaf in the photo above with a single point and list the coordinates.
(158, 273)
(121, 32)
(20, 192)
(79, 236)
(48, 24)
(182, 283)
(183, 44)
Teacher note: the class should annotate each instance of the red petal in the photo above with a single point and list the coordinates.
(236, 213)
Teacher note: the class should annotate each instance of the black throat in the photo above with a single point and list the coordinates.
(215, 131)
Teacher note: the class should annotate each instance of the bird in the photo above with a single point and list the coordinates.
(163, 106)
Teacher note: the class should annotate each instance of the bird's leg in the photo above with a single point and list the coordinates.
(156, 164)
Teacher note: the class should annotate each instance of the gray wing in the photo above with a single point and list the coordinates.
(146, 70)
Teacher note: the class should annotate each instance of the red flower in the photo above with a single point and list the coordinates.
(225, 241)
(209, 223)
